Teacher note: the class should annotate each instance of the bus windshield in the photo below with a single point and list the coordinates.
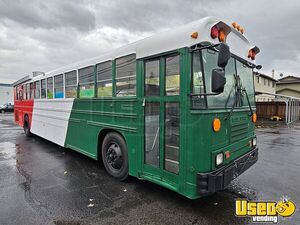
(201, 81)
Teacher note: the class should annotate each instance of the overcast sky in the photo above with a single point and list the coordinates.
(44, 35)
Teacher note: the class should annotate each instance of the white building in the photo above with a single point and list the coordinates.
(6, 94)
(264, 83)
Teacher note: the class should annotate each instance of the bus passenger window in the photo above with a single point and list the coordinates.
(104, 79)
(31, 91)
(172, 85)
(20, 90)
(17, 92)
(71, 84)
(43, 88)
(37, 89)
(86, 82)
(27, 91)
(24, 91)
(152, 78)
(126, 75)
(50, 87)
(58, 86)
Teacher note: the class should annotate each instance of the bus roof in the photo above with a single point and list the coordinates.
(167, 41)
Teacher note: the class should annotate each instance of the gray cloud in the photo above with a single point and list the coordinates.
(43, 35)
(48, 15)
(149, 15)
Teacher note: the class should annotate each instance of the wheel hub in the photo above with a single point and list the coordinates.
(114, 156)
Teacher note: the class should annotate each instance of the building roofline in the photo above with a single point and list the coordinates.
(287, 89)
(264, 75)
(289, 76)
(288, 82)
(5, 85)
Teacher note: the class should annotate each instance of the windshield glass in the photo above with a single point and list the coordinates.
(202, 77)
(246, 76)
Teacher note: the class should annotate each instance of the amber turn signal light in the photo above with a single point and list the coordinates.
(216, 125)
(254, 118)
(222, 36)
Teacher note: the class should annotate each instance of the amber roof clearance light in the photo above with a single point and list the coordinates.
(194, 35)
(238, 27)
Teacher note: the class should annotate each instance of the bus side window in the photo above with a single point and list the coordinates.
(86, 82)
(31, 90)
(17, 92)
(104, 79)
(37, 89)
(25, 91)
(71, 84)
(172, 86)
(126, 75)
(50, 87)
(43, 88)
(20, 89)
(58, 86)
(152, 78)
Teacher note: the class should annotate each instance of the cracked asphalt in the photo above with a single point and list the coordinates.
(42, 183)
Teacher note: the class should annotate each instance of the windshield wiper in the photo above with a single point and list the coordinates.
(249, 104)
(237, 95)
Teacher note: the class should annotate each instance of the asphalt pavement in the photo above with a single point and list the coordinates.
(42, 183)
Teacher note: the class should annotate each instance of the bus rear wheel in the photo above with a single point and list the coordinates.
(115, 156)
(27, 127)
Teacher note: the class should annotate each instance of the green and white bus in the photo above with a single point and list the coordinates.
(176, 108)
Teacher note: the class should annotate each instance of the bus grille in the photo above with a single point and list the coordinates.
(238, 131)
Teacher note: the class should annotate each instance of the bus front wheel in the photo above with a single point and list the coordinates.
(115, 156)
(27, 127)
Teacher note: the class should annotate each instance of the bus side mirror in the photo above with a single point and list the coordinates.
(218, 80)
(224, 55)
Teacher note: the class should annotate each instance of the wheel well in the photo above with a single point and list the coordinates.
(26, 115)
(101, 137)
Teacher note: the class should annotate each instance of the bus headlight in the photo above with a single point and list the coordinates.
(219, 159)
(254, 142)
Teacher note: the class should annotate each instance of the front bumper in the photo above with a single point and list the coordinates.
(219, 179)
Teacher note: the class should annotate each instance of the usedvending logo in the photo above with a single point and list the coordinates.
(267, 211)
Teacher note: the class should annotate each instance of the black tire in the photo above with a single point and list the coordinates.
(115, 156)
(27, 127)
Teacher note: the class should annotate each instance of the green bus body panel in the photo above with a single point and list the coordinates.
(199, 144)
(91, 116)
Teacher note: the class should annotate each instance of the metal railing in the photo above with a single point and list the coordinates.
(292, 106)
